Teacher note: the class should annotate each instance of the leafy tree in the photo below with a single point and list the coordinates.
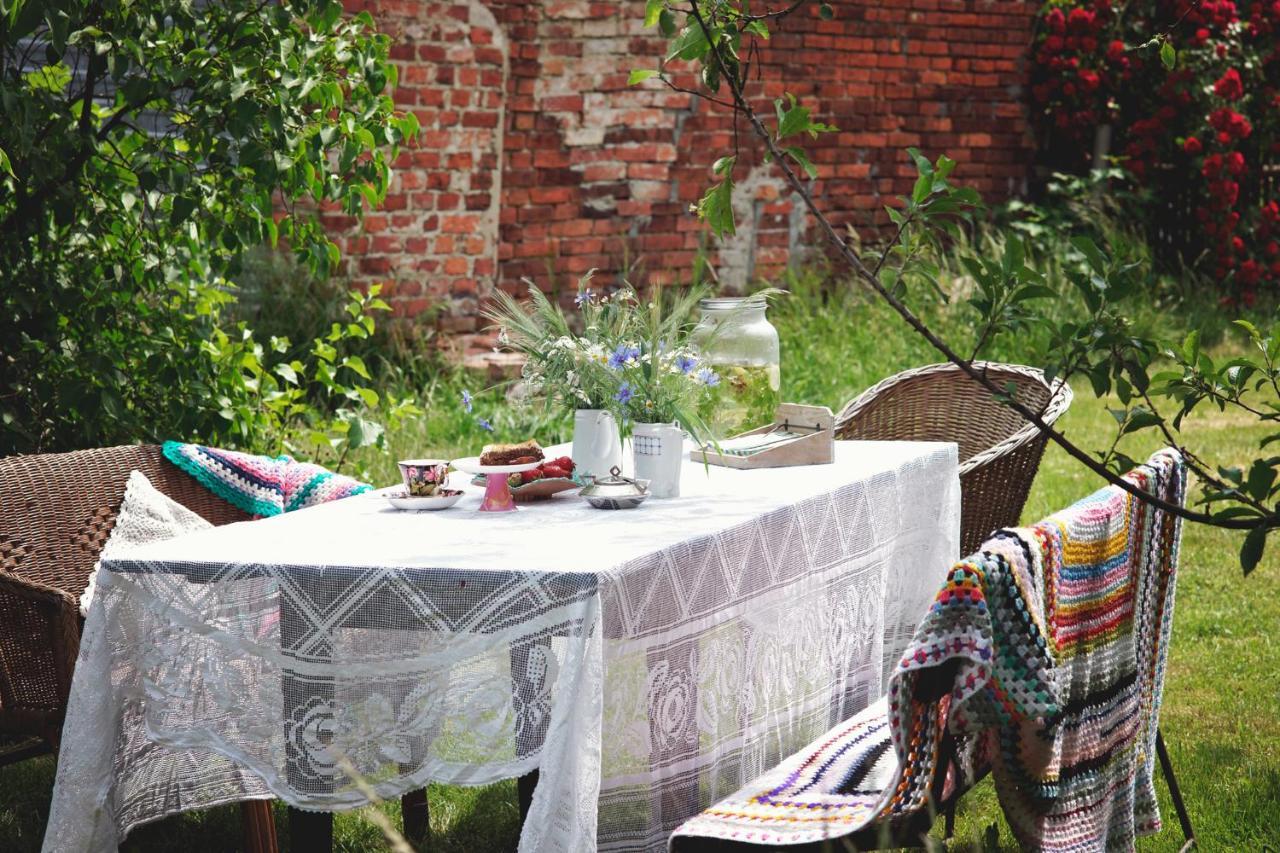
(144, 147)
(721, 40)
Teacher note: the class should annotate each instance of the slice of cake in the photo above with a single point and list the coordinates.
(511, 454)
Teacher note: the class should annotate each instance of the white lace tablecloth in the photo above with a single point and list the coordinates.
(647, 661)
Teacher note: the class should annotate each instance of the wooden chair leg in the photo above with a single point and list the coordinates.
(417, 816)
(310, 832)
(259, 827)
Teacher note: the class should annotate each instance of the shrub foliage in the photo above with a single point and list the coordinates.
(144, 147)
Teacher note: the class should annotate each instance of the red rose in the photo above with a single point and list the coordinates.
(1230, 193)
(1056, 20)
(1235, 163)
(1212, 165)
(1250, 272)
(1273, 249)
(1228, 121)
(1202, 36)
(1089, 44)
(1229, 86)
(1090, 80)
(1237, 245)
(1053, 44)
(1115, 50)
(1081, 20)
(1192, 145)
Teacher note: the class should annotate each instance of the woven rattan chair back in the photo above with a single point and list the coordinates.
(56, 512)
(999, 450)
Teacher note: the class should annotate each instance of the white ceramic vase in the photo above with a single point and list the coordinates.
(658, 453)
(597, 445)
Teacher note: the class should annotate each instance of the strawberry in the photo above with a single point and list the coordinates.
(530, 476)
(554, 470)
(564, 463)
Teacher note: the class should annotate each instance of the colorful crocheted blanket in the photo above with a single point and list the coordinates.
(1041, 659)
(261, 485)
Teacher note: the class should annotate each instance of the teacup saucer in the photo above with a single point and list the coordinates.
(445, 498)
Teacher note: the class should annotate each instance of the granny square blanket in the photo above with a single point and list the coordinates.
(1047, 650)
(261, 485)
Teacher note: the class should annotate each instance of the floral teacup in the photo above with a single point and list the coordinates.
(424, 477)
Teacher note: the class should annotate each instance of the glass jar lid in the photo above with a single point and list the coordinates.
(729, 303)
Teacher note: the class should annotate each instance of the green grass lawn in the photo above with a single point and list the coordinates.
(1222, 700)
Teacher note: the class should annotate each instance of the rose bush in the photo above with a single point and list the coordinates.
(1203, 137)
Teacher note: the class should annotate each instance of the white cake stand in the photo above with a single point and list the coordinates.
(497, 492)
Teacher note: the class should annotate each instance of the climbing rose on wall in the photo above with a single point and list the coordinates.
(1210, 128)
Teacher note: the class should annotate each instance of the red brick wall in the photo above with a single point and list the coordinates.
(537, 160)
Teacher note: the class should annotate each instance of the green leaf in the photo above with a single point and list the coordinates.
(362, 432)
(716, 208)
(653, 11)
(1191, 347)
(1140, 418)
(1168, 55)
(1261, 477)
(691, 44)
(923, 166)
(1097, 260)
(287, 373)
(639, 75)
(1251, 550)
(4, 164)
(798, 154)
(182, 207)
(356, 364)
(724, 166)
(667, 23)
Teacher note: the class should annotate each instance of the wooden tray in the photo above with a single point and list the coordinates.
(813, 428)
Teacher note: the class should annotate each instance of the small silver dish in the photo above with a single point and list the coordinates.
(615, 491)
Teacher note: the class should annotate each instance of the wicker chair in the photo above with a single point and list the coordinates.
(56, 512)
(999, 450)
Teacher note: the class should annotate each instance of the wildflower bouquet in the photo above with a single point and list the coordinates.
(572, 368)
(659, 377)
(630, 359)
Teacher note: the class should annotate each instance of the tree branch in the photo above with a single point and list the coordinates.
(967, 367)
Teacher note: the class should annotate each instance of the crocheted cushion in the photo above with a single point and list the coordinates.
(826, 790)
(261, 485)
(146, 515)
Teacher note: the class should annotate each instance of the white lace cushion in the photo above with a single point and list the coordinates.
(146, 515)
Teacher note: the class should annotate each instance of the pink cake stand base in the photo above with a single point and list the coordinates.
(497, 494)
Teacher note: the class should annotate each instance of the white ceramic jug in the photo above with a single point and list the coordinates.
(658, 453)
(597, 446)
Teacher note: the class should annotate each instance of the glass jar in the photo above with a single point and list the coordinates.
(736, 339)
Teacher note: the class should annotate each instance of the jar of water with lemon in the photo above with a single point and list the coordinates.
(739, 343)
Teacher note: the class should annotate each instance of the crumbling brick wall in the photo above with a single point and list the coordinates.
(537, 160)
